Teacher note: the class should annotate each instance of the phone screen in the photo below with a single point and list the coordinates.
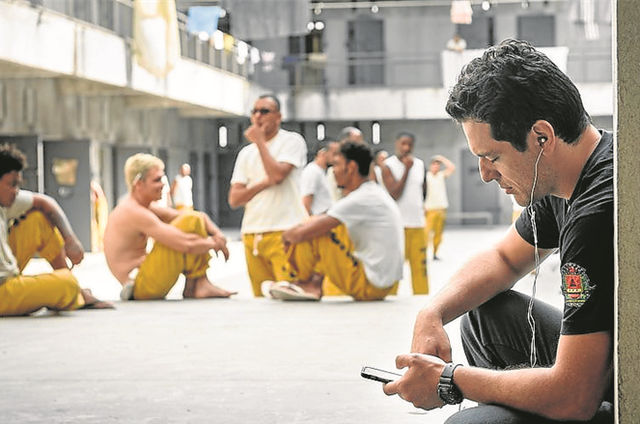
(377, 374)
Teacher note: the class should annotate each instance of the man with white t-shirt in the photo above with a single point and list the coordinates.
(314, 187)
(181, 188)
(404, 177)
(357, 244)
(437, 203)
(265, 182)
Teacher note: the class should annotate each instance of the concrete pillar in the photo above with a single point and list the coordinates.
(626, 53)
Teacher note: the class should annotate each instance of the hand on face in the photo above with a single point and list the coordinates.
(255, 133)
(407, 160)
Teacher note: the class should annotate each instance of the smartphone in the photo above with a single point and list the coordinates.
(377, 374)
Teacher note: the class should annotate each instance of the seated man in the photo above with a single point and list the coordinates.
(33, 223)
(182, 240)
(358, 243)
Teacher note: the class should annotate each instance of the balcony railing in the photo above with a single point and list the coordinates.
(435, 70)
(117, 16)
(315, 71)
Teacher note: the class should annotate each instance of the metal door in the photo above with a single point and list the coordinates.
(366, 52)
(226, 161)
(67, 178)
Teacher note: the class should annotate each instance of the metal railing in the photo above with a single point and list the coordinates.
(314, 71)
(117, 16)
(389, 70)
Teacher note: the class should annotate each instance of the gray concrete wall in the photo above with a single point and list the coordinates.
(627, 66)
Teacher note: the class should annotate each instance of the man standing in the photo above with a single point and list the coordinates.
(182, 240)
(314, 187)
(265, 181)
(524, 120)
(33, 223)
(357, 244)
(404, 177)
(182, 188)
(436, 203)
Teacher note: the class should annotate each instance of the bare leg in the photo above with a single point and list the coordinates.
(202, 288)
(92, 302)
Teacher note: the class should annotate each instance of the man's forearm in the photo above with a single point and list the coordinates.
(315, 227)
(211, 227)
(275, 171)
(541, 391)
(54, 213)
(240, 195)
(480, 279)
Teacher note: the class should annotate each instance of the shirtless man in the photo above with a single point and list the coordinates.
(182, 240)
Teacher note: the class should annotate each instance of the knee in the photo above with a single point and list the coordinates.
(190, 222)
(483, 414)
(506, 304)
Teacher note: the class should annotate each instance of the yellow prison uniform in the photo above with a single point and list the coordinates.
(24, 294)
(332, 256)
(434, 227)
(266, 259)
(415, 252)
(163, 265)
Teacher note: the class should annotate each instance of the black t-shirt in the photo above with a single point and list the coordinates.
(582, 228)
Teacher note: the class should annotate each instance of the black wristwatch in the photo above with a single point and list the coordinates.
(447, 391)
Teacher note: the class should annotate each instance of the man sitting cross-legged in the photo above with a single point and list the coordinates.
(33, 223)
(358, 243)
(182, 240)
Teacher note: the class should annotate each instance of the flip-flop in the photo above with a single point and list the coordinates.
(285, 290)
(265, 288)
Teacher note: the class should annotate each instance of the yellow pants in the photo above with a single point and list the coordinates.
(332, 256)
(163, 265)
(436, 218)
(266, 259)
(415, 252)
(58, 290)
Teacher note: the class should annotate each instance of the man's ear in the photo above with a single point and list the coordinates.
(352, 167)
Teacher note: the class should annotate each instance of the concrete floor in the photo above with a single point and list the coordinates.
(241, 360)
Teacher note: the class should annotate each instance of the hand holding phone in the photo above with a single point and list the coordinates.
(377, 374)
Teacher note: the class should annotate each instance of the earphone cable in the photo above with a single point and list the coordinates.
(532, 213)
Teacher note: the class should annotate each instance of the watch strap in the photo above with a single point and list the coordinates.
(447, 390)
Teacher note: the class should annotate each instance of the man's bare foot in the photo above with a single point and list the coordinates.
(313, 284)
(309, 288)
(202, 288)
(92, 302)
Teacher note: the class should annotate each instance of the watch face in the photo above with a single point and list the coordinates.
(449, 394)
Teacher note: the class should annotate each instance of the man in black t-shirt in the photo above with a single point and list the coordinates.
(524, 120)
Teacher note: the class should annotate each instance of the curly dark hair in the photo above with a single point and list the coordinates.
(11, 159)
(511, 87)
(360, 153)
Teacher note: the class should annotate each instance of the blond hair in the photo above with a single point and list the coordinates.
(137, 167)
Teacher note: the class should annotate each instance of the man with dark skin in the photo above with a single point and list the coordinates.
(33, 223)
(404, 177)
